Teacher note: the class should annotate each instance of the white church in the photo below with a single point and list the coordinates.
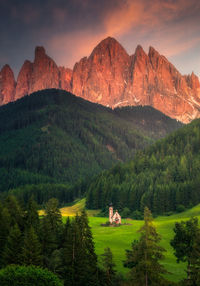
(114, 218)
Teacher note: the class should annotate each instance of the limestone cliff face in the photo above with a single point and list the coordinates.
(45, 72)
(41, 74)
(65, 76)
(7, 85)
(111, 77)
(24, 80)
(103, 76)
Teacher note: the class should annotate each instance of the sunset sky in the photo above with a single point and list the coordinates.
(70, 29)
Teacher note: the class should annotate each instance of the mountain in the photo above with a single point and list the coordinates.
(109, 76)
(165, 176)
(54, 136)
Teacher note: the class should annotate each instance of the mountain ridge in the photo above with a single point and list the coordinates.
(54, 136)
(111, 77)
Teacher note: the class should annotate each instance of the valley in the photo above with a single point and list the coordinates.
(120, 238)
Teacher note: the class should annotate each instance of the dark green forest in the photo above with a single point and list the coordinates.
(67, 249)
(54, 137)
(49, 251)
(165, 177)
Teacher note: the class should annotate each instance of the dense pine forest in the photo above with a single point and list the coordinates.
(165, 177)
(53, 137)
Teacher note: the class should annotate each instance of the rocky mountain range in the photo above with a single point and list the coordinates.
(111, 77)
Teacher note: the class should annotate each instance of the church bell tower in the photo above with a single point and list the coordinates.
(110, 213)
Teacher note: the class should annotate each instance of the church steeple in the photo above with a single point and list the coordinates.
(110, 213)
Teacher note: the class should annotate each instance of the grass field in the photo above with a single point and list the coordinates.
(120, 238)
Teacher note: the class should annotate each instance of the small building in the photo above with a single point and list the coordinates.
(114, 218)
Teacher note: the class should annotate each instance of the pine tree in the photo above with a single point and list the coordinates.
(51, 230)
(31, 251)
(145, 255)
(79, 261)
(68, 252)
(13, 248)
(5, 222)
(87, 259)
(32, 217)
(16, 213)
(108, 267)
(186, 244)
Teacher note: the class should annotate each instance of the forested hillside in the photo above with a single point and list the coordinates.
(54, 137)
(165, 177)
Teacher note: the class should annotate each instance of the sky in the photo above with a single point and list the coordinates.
(70, 29)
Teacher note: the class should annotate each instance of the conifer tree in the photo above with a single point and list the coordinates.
(87, 266)
(145, 255)
(68, 253)
(51, 230)
(31, 251)
(186, 244)
(5, 221)
(32, 217)
(108, 267)
(13, 248)
(16, 213)
(78, 257)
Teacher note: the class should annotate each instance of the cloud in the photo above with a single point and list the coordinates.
(172, 25)
(71, 47)
(146, 14)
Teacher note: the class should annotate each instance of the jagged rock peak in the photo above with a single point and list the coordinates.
(107, 45)
(39, 52)
(24, 79)
(139, 51)
(7, 85)
(6, 69)
(153, 52)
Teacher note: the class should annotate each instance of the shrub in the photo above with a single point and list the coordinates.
(28, 276)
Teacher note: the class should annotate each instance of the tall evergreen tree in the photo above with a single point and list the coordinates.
(13, 249)
(51, 230)
(108, 267)
(16, 213)
(31, 251)
(87, 266)
(68, 253)
(32, 217)
(145, 255)
(5, 221)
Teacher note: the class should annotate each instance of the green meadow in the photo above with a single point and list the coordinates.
(120, 238)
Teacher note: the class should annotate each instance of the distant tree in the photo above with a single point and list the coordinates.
(186, 243)
(125, 212)
(32, 217)
(145, 255)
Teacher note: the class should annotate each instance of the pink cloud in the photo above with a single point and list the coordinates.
(169, 26)
(71, 47)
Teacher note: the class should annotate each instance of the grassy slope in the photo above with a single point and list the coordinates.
(119, 239)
